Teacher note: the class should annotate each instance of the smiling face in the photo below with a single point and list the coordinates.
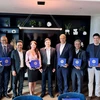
(47, 43)
(19, 46)
(96, 39)
(62, 38)
(77, 45)
(4, 40)
(33, 45)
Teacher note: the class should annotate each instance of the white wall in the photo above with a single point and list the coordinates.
(94, 26)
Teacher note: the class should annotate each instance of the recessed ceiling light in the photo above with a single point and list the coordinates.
(41, 2)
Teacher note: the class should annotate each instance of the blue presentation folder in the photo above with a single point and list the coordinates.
(61, 62)
(77, 62)
(5, 61)
(94, 62)
(34, 64)
(70, 98)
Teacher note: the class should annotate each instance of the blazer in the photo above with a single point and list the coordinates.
(81, 55)
(90, 53)
(67, 53)
(16, 61)
(9, 50)
(44, 58)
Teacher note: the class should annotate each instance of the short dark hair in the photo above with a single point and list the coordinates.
(20, 41)
(96, 34)
(47, 39)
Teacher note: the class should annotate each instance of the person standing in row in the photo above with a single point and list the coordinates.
(18, 68)
(32, 54)
(48, 66)
(93, 51)
(5, 51)
(78, 71)
(64, 51)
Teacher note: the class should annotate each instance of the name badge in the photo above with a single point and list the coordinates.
(34, 64)
(94, 62)
(77, 62)
(5, 61)
(70, 98)
(61, 62)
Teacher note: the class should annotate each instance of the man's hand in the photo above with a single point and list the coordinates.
(66, 65)
(41, 70)
(53, 70)
(77, 67)
(99, 65)
(13, 73)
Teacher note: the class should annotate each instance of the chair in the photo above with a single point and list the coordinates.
(27, 97)
(72, 95)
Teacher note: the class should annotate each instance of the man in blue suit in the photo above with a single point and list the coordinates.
(64, 50)
(93, 51)
(5, 51)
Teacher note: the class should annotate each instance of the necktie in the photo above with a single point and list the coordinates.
(5, 50)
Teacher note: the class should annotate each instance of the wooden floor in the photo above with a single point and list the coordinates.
(47, 97)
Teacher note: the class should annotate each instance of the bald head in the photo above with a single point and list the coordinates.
(4, 40)
(62, 38)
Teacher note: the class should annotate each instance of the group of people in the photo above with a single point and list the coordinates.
(48, 58)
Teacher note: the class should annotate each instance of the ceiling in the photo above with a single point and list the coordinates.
(53, 7)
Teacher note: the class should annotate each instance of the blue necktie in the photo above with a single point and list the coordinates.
(5, 50)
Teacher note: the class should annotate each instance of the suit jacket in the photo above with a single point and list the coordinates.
(90, 53)
(81, 55)
(16, 61)
(44, 58)
(9, 50)
(67, 53)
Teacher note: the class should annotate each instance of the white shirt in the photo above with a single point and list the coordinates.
(62, 47)
(21, 59)
(77, 51)
(48, 55)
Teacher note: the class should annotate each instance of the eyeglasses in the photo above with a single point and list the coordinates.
(3, 40)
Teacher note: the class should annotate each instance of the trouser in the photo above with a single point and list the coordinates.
(19, 77)
(91, 72)
(4, 80)
(47, 73)
(77, 80)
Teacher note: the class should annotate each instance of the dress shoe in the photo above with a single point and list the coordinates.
(51, 95)
(89, 98)
(7, 96)
(42, 95)
(9, 90)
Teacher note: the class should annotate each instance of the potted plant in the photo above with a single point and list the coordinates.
(18, 23)
(39, 24)
(67, 28)
(32, 23)
(7, 22)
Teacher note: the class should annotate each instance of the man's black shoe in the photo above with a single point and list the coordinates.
(42, 95)
(7, 96)
(52, 96)
(9, 90)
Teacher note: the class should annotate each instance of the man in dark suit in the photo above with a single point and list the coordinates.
(18, 68)
(93, 51)
(78, 71)
(64, 50)
(5, 51)
(48, 66)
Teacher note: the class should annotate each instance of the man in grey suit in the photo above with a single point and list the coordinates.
(48, 66)
(18, 68)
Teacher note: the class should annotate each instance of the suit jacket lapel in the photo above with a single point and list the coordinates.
(64, 49)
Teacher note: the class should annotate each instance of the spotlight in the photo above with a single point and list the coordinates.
(41, 2)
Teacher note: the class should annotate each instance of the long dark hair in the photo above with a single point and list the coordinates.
(36, 49)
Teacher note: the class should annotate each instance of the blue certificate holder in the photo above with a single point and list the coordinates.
(70, 98)
(61, 62)
(5, 61)
(35, 64)
(94, 62)
(77, 62)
